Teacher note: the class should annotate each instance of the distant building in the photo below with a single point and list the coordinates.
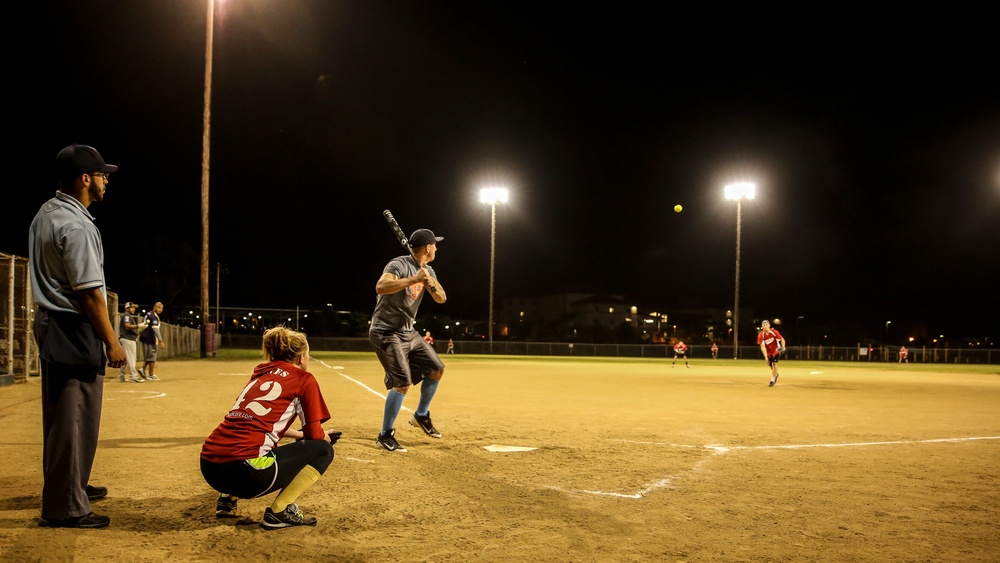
(608, 317)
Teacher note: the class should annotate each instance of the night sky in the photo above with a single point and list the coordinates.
(874, 141)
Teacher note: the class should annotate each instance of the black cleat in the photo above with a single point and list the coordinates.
(388, 441)
(425, 424)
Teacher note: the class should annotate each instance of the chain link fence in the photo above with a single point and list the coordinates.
(18, 350)
(503, 348)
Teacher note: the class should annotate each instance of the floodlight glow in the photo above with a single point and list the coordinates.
(741, 190)
(493, 195)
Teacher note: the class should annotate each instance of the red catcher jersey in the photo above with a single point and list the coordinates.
(770, 341)
(276, 394)
(680, 347)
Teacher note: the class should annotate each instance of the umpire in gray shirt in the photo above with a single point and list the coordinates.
(74, 335)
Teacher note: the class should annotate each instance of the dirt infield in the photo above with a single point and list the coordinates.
(632, 461)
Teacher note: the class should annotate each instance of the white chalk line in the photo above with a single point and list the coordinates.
(362, 385)
(719, 450)
(724, 449)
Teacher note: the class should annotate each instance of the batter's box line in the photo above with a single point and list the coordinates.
(723, 449)
(667, 482)
(360, 384)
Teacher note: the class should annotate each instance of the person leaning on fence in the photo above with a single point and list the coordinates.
(241, 458)
(128, 331)
(151, 342)
(75, 337)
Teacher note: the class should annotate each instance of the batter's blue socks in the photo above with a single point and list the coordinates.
(427, 390)
(393, 402)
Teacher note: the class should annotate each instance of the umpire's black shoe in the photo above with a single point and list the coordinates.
(96, 493)
(89, 521)
(425, 424)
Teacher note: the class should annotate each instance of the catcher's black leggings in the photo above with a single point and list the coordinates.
(244, 479)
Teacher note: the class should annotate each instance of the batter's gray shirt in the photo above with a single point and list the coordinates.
(398, 311)
(66, 254)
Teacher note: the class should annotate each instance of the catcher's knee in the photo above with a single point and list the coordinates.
(436, 376)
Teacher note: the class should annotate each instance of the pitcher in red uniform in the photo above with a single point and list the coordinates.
(772, 344)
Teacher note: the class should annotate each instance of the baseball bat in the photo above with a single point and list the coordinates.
(403, 240)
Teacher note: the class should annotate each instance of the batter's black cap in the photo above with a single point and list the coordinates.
(81, 159)
(423, 237)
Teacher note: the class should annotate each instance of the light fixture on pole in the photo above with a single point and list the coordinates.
(738, 191)
(492, 196)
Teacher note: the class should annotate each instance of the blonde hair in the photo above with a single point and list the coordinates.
(282, 343)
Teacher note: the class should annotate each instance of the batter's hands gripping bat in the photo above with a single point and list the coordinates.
(403, 240)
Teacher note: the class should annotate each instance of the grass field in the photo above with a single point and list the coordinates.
(623, 460)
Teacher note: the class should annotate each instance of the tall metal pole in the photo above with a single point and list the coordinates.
(493, 245)
(218, 285)
(205, 146)
(736, 306)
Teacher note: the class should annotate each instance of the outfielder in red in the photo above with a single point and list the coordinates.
(680, 349)
(772, 344)
(903, 352)
(241, 457)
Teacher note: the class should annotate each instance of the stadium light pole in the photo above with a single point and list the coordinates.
(492, 196)
(738, 191)
(205, 146)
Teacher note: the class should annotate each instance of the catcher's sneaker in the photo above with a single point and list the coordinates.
(388, 441)
(290, 516)
(425, 424)
(152, 377)
(225, 507)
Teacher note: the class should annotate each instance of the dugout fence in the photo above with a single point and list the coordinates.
(18, 350)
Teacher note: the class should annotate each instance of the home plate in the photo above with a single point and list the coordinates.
(508, 449)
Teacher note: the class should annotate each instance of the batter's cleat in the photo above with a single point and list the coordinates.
(388, 441)
(225, 507)
(290, 516)
(142, 374)
(425, 424)
(773, 381)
